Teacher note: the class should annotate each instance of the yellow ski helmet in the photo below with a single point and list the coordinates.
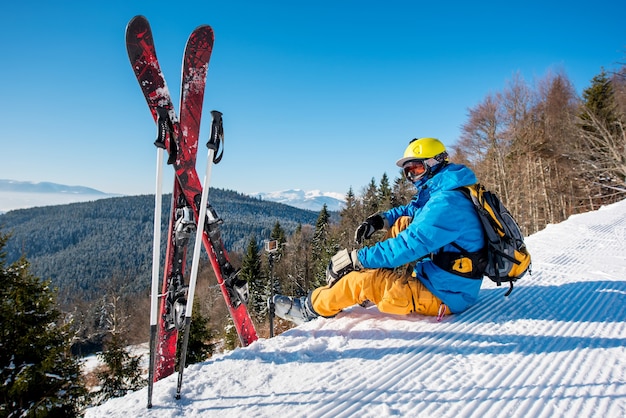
(422, 149)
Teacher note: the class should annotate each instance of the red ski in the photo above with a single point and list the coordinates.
(180, 138)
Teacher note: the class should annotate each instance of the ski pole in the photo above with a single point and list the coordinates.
(156, 256)
(216, 137)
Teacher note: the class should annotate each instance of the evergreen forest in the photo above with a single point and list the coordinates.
(78, 246)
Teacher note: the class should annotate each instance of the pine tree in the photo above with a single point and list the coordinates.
(230, 337)
(121, 372)
(257, 281)
(199, 345)
(402, 192)
(599, 100)
(278, 234)
(384, 194)
(351, 217)
(39, 375)
(370, 199)
(322, 248)
(350, 210)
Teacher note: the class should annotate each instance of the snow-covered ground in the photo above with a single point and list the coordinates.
(555, 348)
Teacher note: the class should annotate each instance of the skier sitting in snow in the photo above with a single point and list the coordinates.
(418, 266)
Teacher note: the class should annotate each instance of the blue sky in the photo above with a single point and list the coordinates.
(315, 95)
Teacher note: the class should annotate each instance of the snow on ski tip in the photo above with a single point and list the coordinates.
(142, 55)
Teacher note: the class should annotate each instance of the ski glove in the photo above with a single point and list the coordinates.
(372, 224)
(341, 264)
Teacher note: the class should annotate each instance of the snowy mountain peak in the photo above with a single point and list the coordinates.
(310, 200)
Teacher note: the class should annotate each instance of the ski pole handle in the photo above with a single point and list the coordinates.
(216, 138)
(165, 130)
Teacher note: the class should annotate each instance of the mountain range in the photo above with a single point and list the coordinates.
(44, 187)
(16, 194)
(23, 194)
(310, 200)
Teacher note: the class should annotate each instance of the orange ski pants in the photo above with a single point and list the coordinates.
(394, 291)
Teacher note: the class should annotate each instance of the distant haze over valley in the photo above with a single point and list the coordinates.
(16, 194)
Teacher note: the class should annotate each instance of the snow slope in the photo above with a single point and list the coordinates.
(555, 348)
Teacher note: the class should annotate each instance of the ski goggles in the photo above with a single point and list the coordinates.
(415, 169)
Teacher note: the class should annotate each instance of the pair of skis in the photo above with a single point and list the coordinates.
(189, 200)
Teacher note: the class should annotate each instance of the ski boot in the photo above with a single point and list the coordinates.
(296, 310)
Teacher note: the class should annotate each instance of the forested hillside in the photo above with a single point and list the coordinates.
(79, 244)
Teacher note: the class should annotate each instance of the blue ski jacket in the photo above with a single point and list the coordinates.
(440, 215)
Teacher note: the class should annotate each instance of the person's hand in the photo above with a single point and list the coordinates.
(341, 264)
(372, 224)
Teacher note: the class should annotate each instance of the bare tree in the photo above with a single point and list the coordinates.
(517, 140)
(602, 151)
(554, 116)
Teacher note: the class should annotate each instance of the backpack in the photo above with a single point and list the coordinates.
(505, 257)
